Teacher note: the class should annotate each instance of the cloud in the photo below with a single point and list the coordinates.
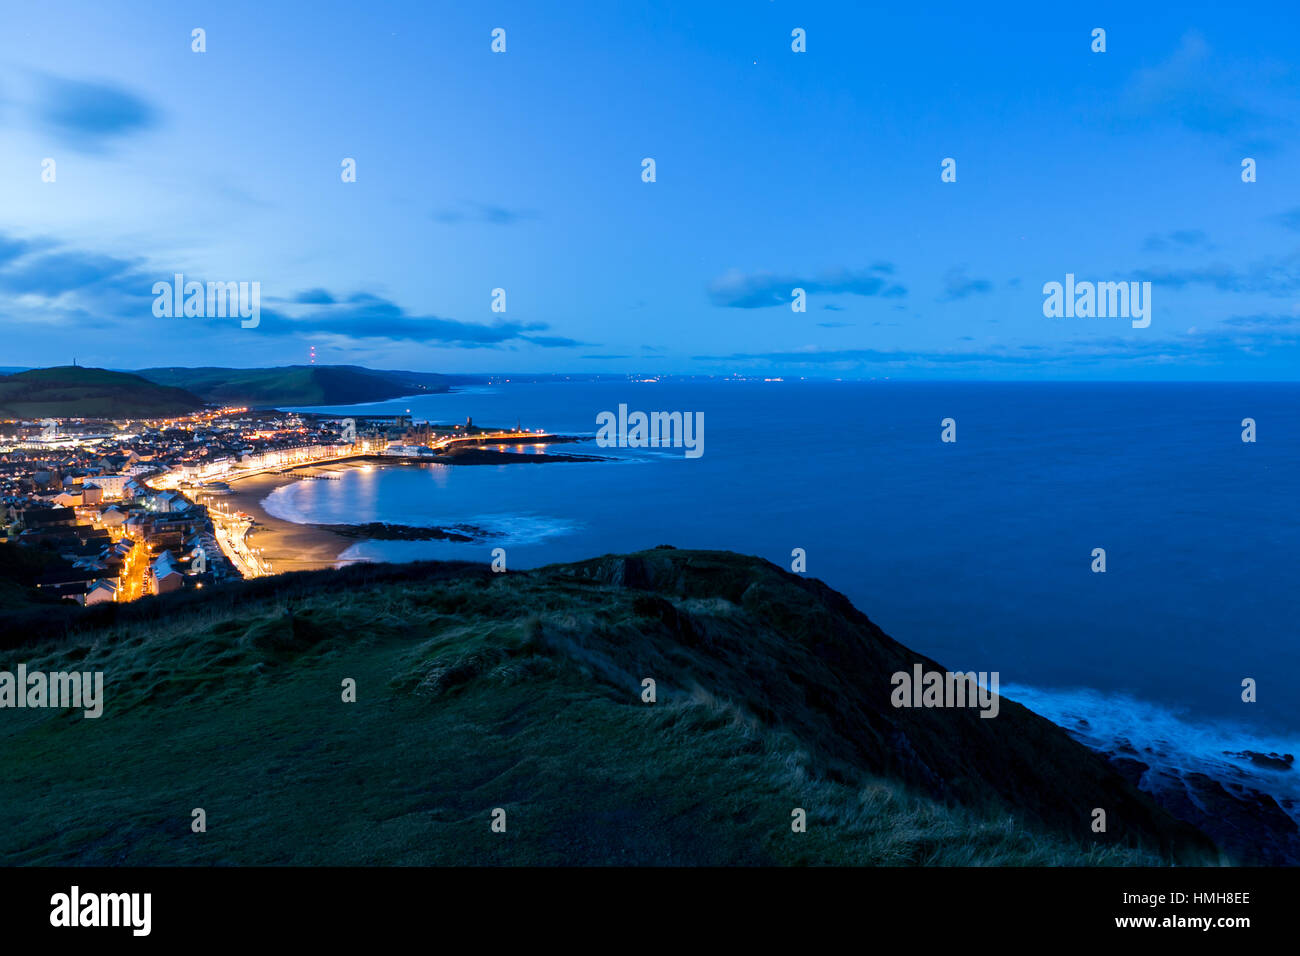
(54, 274)
(367, 316)
(1289, 219)
(1192, 88)
(58, 285)
(482, 212)
(760, 290)
(818, 356)
(1264, 322)
(11, 249)
(1278, 276)
(553, 341)
(1179, 240)
(958, 285)
(1248, 336)
(88, 115)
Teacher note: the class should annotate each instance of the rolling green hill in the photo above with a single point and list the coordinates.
(70, 391)
(523, 691)
(296, 384)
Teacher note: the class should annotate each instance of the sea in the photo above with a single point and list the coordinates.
(978, 552)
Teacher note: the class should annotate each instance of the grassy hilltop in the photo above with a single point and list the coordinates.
(71, 391)
(298, 384)
(523, 691)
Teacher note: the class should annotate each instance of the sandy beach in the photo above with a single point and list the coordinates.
(288, 546)
(307, 547)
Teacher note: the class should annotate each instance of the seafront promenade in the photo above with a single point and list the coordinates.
(259, 544)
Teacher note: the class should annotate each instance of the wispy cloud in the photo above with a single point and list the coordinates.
(88, 115)
(1180, 240)
(12, 248)
(1289, 219)
(1204, 93)
(58, 285)
(468, 212)
(1276, 276)
(958, 285)
(1265, 322)
(554, 341)
(862, 356)
(1242, 336)
(761, 290)
(363, 315)
(55, 273)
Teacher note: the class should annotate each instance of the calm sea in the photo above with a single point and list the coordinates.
(977, 553)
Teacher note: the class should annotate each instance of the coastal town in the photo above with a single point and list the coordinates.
(114, 510)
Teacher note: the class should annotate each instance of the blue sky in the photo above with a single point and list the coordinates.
(775, 169)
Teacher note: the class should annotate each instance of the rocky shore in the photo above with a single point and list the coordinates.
(1251, 826)
(383, 531)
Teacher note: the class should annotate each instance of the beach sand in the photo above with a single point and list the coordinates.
(288, 546)
(305, 547)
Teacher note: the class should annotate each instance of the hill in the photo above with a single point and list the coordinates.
(522, 691)
(71, 391)
(297, 384)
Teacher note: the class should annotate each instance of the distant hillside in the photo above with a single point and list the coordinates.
(523, 691)
(70, 391)
(297, 384)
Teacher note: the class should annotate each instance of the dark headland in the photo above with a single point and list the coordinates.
(524, 691)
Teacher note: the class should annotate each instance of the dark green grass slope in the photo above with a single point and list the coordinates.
(71, 391)
(296, 384)
(522, 691)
